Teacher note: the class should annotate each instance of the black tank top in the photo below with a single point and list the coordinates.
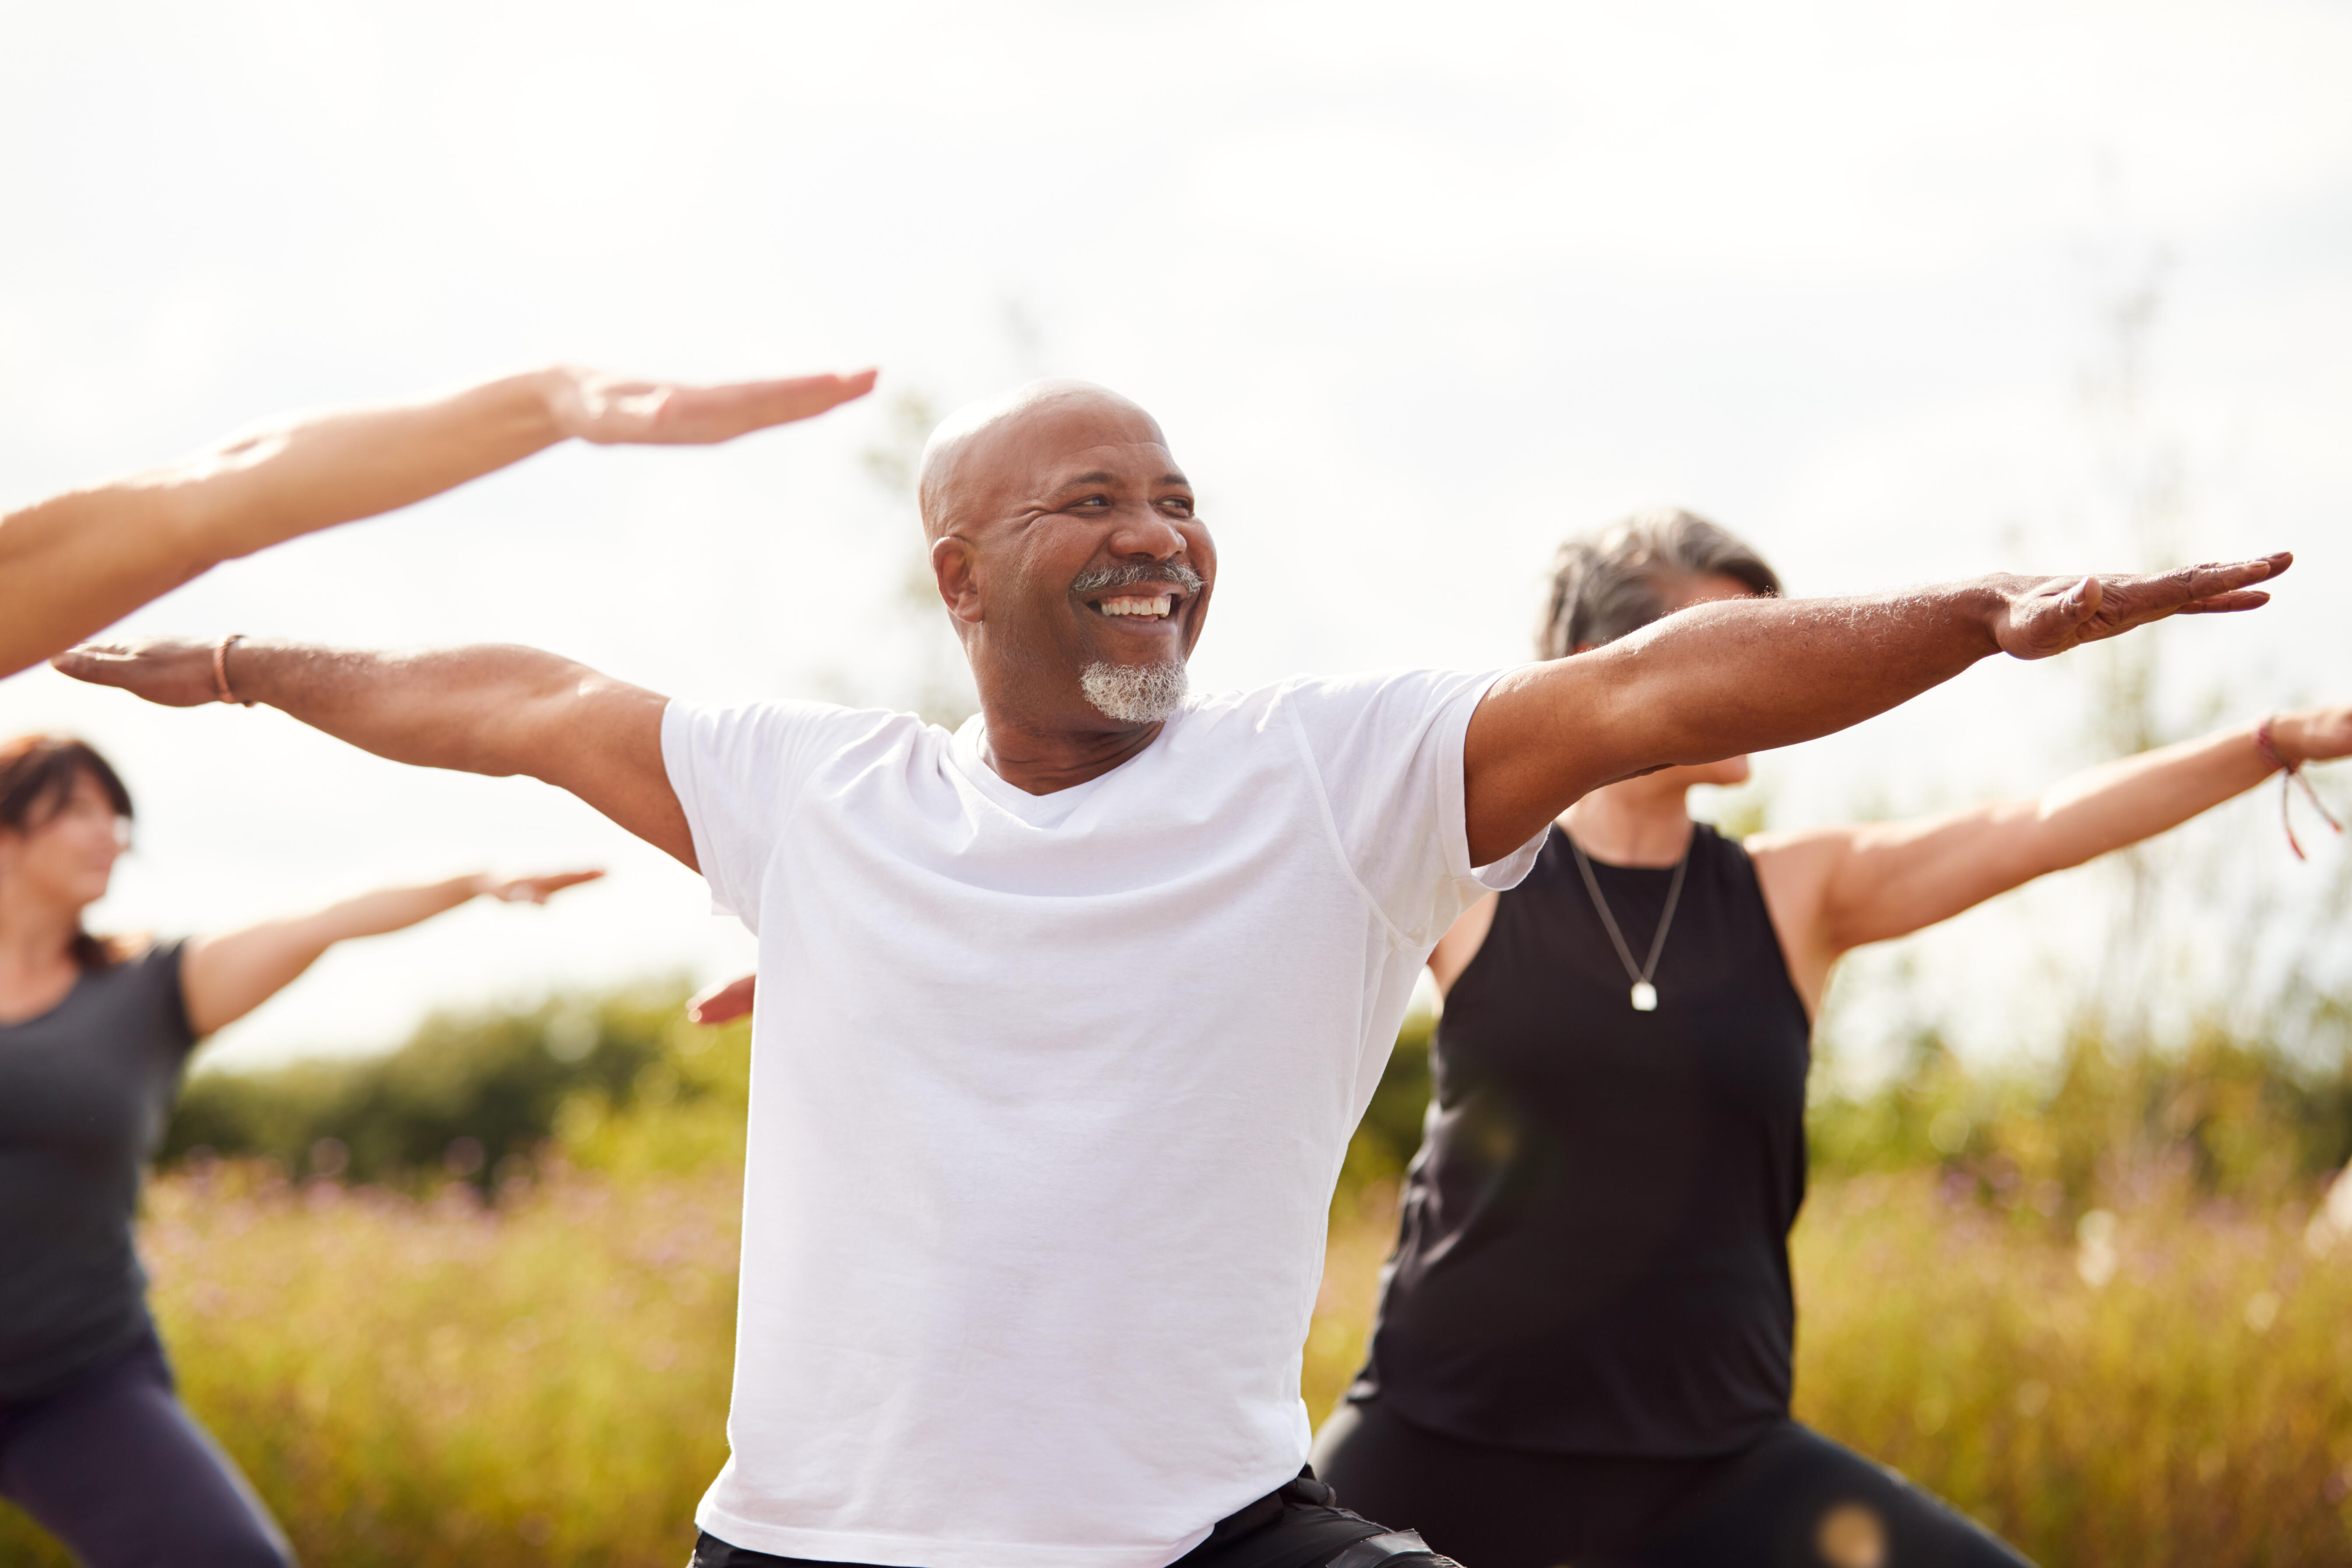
(1593, 1255)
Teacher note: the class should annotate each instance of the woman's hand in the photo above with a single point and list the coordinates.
(222, 978)
(722, 1003)
(534, 889)
(2313, 734)
(610, 410)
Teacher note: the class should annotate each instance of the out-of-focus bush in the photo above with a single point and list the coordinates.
(468, 1091)
(2245, 1121)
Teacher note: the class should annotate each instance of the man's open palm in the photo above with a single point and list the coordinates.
(611, 409)
(2054, 614)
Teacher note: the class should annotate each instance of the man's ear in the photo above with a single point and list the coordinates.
(955, 565)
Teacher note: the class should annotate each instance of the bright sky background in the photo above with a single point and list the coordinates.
(1415, 292)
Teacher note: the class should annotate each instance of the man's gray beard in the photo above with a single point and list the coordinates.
(1134, 694)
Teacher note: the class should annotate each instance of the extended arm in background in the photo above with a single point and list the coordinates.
(491, 708)
(224, 977)
(1832, 889)
(76, 562)
(722, 1003)
(1749, 675)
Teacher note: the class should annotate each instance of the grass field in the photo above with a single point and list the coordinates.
(428, 1380)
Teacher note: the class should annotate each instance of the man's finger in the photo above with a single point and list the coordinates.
(2214, 578)
(2223, 603)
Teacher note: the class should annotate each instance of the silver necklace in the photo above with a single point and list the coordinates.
(1645, 995)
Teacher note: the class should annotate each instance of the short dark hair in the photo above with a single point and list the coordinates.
(38, 773)
(1607, 584)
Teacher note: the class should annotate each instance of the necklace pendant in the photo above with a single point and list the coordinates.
(1645, 997)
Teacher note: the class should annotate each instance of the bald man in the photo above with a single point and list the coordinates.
(76, 562)
(1085, 999)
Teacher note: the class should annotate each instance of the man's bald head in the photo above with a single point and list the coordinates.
(1008, 440)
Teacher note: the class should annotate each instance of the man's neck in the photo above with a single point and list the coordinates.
(1636, 822)
(1042, 758)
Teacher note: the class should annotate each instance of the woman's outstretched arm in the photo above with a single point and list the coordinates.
(72, 564)
(224, 977)
(1833, 889)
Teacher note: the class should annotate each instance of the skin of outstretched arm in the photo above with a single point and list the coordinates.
(1834, 889)
(72, 564)
(227, 976)
(491, 708)
(1750, 674)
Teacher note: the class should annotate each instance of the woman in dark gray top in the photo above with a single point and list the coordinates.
(94, 1035)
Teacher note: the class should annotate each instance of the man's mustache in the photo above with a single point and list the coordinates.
(1101, 577)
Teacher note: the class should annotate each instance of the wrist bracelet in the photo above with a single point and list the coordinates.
(2291, 776)
(221, 692)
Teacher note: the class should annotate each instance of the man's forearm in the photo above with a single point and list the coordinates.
(486, 709)
(1739, 675)
(1735, 677)
(74, 563)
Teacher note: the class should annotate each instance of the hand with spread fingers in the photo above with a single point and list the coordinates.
(2049, 615)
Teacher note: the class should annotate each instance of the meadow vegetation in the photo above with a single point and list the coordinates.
(473, 1303)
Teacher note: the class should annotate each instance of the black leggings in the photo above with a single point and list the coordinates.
(113, 1465)
(1297, 1525)
(1790, 1500)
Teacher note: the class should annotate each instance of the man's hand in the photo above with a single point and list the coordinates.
(2039, 617)
(610, 410)
(176, 672)
(491, 709)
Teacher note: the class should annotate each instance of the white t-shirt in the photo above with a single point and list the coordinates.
(1048, 1096)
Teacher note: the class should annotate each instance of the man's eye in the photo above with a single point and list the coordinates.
(1178, 504)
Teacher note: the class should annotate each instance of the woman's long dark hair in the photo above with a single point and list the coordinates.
(38, 773)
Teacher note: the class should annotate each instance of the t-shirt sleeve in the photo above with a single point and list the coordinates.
(1387, 753)
(163, 996)
(738, 770)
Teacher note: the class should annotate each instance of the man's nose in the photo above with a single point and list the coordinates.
(1146, 531)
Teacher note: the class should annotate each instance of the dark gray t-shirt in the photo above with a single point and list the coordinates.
(85, 1090)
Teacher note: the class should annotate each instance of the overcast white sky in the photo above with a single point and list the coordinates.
(1415, 292)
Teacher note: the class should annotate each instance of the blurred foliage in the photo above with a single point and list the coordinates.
(468, 1094)
(2242, 1119)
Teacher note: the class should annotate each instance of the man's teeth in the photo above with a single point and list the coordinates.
(1158, 606)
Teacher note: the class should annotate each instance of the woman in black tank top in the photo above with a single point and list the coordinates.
(1584, 1346)
(94, 1036)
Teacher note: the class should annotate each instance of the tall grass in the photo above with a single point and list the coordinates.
(425, 1379)
(2096, 1311)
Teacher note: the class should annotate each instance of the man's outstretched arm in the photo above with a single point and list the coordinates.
(76, 562)
(1738, 675)
(495, 709)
